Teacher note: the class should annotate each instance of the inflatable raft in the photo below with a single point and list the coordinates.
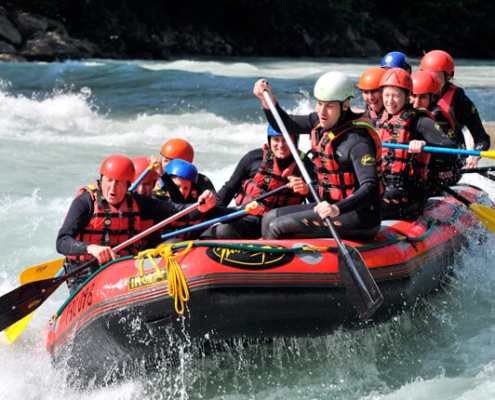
(132, 311)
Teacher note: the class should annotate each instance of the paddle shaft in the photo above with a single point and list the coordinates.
(223, 218)
(343, 251)
(23, 300)
(431, 149)
(141, 177)
(450, 191)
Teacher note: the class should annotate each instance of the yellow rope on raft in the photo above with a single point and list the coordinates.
(177, 286)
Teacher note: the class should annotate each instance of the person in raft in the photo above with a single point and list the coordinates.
(178, 186)
(405, 171)
(454, 101)
(396, 59)
(369, 84)
(181, 149)
(425, 90)
(258, 172)
(348, 154)
(105, 214)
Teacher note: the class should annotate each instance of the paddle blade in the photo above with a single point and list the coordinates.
(41, 271)
(9, 335)
(361, 287)
(23, 300)
(485, 214)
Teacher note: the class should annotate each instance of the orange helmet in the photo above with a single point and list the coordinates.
(118, 167)
(178, 148)
(140, 165)
(397, 77)
(437, 60)
(370, 80)
(425, 82)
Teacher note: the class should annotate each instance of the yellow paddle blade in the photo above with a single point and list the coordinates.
(9, 335)
(41, 271)
(489, 154)
(485, 214)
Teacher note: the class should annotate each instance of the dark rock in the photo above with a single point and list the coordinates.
(9, 32)
(6, 48)
(11, 58)
(29, 24)
(50, 46)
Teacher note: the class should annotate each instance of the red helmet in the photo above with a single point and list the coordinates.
(397, 77)
(437, 60)
(140, 165)
(178, 148)
(118, 167)
(425, 82)
(370, 80)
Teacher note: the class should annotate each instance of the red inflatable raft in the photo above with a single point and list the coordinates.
(122, 318)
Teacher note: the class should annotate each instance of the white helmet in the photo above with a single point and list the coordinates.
(334, 86)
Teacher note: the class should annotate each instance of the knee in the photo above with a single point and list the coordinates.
(224, 231)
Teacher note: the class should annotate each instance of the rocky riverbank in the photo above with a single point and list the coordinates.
(30, 36)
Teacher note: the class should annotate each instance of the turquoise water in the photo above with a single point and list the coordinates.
(59, 121)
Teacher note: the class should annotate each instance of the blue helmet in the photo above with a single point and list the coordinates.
(272, 132)
(182, 169)
(396, 59)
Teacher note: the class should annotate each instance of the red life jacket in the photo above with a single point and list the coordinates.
(109, 226)
(440, 116)
(446, 105)
(372, 115)
(335, 184)
(399, 163)
(269, 177)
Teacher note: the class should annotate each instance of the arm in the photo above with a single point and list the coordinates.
(295, 124)
(366, 175)
(425, 128)
(245, 169)
(467, 114)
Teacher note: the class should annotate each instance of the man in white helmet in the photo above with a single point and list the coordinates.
(347, 161)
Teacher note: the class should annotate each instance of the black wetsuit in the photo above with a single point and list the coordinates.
(360, 214)
(249, 226)
(79, 216)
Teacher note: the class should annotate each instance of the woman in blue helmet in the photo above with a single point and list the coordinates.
(258, 172)
(396, 59)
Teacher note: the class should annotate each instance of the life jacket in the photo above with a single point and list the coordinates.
(269, 177)
(335, 184)
(164, 192)
(373, 115)
(109, 226)
(447, 105)
(399, 163)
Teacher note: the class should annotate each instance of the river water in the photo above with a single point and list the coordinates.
(59, 121)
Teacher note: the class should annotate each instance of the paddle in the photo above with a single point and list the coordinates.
(362, 288)
(249, 209)
(485, 214)
(142, 176)
(22, 301)
(430, 149)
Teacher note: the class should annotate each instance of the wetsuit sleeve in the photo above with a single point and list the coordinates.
(467, 114)
(205, 183)
(245, 169)
(78, 217)
(425, 128)
(295, 124)
(361, 158)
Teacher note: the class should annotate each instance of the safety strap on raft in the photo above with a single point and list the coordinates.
(177, 286)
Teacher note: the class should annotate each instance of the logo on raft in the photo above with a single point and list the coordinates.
(148, 279)
(250, 259)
